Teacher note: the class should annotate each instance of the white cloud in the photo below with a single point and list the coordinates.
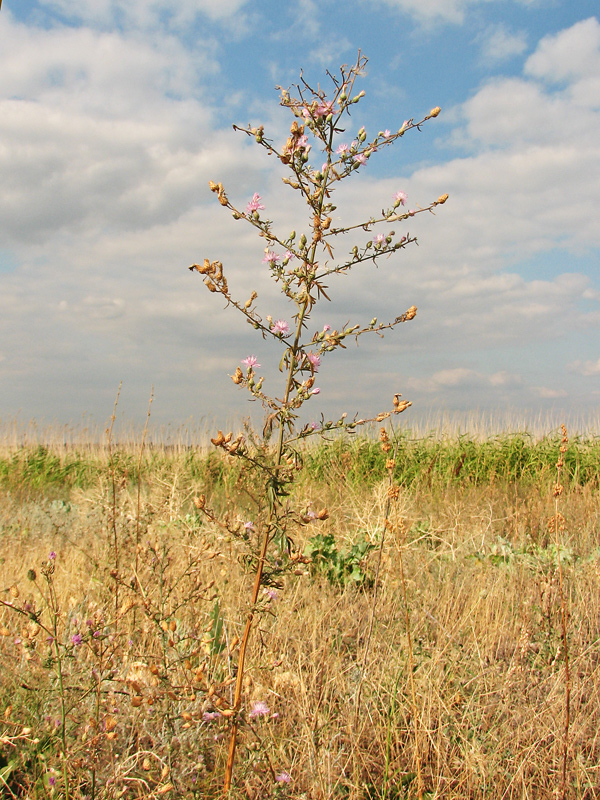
(499, 44)
(587, 368)
(570, 55)
(143, 14)
(433, 11)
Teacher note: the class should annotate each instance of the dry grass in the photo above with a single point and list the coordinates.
(158, 642)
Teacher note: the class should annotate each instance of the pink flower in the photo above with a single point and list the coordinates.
(324, 109)
(342, 149)
(283, 777)
(360, 158)
(314, 360)
(387, 133)
(248, 526)
(379, 239)
(270, 257)
(259, 709)
(77, 639)
(326, 328)
(400, 199)
(281, 327)
(254, 204)
(250, 362)
(52, 556)
(316, 391)
(288, 255)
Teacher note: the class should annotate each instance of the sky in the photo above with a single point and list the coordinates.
(115, 115)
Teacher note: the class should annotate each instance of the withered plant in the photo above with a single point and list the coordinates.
(317, 159)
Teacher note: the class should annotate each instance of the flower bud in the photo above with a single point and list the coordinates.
(292, 236)
(435, 111)
(442, 199)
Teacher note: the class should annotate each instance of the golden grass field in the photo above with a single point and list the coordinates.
(429, 663)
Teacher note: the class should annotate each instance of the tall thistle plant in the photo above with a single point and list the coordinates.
(317, 159)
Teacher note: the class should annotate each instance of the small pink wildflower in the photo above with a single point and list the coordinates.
(379, 239)
(342, 149)
(387, 133)
(281, 327)
(51, 556)
(316, 391)
(248, 526)
(209, 716)
(324, 109)
(254, 204)
(259, 709)
(283, 777)
(250, 362)
(360, 158)
(288, 255)
(400, 199)
(77, 639)
(314, 360)
(326, 328)
(270, 257)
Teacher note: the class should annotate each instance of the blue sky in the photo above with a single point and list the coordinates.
(114, 116)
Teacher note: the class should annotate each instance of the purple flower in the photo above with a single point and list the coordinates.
(51, 780)
(209, 716)
(360, 158)
(259, 709)
(52, 556)
(400, 199)
(281, 327)
(254, 204)
(270, 257)
(283, 777)
(314, 360)
(77, 639)
(250, 362)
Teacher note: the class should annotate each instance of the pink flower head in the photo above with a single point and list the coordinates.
(342, 149)
(387, 133)
(51, 556)
(314, 360)
(283, 777)
(379, 239)
(324, 109)
(259, 709)
(316, 391)
(360, 158)
(248, 526)
(326, 328)
(288, 255)
(281, 327)
(77, 639)
(254, 204)
(270, 257)
(400, 199)
(250, 362)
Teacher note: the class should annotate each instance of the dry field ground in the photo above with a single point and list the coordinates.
(422, 658)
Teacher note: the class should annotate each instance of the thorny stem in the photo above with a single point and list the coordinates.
(273, 510)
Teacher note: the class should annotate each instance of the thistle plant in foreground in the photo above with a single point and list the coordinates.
(318, 158)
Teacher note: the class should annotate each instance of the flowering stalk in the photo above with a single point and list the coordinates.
(300, 265)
